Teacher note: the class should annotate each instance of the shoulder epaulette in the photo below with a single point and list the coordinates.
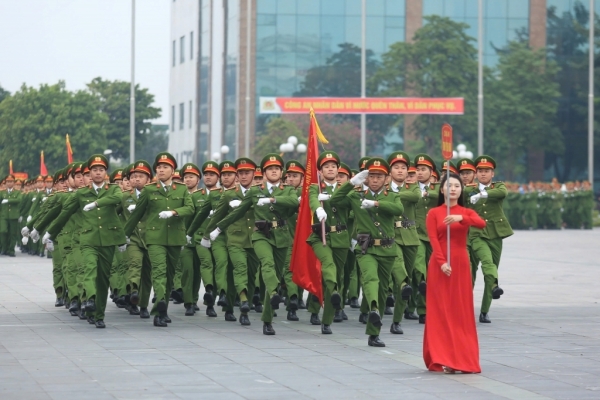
(497, 182)
(471, 185)
(149, 184)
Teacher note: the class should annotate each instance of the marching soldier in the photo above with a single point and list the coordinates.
(9, 216)
(351, 285)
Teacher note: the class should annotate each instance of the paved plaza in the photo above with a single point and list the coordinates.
(543, 342)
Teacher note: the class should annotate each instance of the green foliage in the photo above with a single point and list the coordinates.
(156, 140)
(32, 120)
(3, 94)
(114, 102)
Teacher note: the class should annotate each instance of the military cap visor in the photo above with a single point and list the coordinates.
(344, 169)
(485, 162)
(424, 159)
(271, 160)
(211, 166)
(452, 167)
(398, 156)
(258, 172)
(245, 164)
(466, 164)
(143, 167)
(165, 158)
(190, 168)
(227, 166)
(295, 166)
(97, 160)
(378, 165)
(327, 156)
(362, 162)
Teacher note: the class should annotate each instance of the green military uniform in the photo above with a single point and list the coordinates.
(273, 203)
(350, 286)
(10, 203)
(163, 206)
(487, 243)
(374, 215)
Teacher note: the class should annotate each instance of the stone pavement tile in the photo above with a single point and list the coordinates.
(19, 395)
(203, 394)
(91, 395)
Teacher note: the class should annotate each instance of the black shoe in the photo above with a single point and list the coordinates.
(167, 319)
(189, 311)
(121, 302)
(161, 307)
(375, 318)
(374, 341)
(256, 298)
(81, 314)
(222, 302)
(388, 311)
(337, 317)
(389, 302)
(423, 288)
(244, 320)
(91, 305)
(484, 318)
(91, 320)
(258, 308)
(74, 307)
(209, 300)
(144, 313)
(134, 310)
(354, 303)
(59, 302)
(237, 303)
(210, 311)
(230, 317)
(244, 307)
(294, 303)
(395, 328)
(497, 292)
(134, 298)
(154, 300)
(314, 319)
(344, 316)
(336, 301)
(291, 316)
(74, 313)
(177, 296)
(422, 319)
(406, 292)
(326, 329)
(275, 300)
(268, 329)
(196, 308)
(301, 304)
(363, 318)
(158, 321)
(410, 315)
(100, 324)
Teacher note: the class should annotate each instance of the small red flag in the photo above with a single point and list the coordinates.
(305, 266)
(43, 170)
(69, 151)
(447, 141)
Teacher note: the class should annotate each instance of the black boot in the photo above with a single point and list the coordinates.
(314, 319)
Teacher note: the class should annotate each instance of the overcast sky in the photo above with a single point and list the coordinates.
(44, 41)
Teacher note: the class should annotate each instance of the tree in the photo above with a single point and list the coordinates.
(3, 94)
(114, 102)
(32, 120)
(157, 140)
(521, 107)
(440, 62)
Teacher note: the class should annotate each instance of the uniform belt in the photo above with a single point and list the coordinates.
(278, 223)
(381, 242)
(335, 228)
(405, 223)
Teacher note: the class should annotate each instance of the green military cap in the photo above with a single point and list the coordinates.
(258, 172)
(176, 175)
(244, 163)
(377, 164)
(328, 156)
(58, 175)
(362, 162)
(142, 166)
(227, 166)
(466, 164)
(436, 174)
(78, 168)
(485, 162)
(452, 167)
(398, 156)
(128, 170)
(165, 158)
(354, 172)
(211, 166)
(190, 168)
(97, 160)
(295, 166)
(424, 159)
(69, 169)
(116, 175)
(344, 169)
(271, 159)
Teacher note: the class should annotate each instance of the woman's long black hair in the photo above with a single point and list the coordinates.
(441, 199)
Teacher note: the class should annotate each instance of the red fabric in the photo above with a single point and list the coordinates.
(305, 267)
(43, 170)
(450, 335)
(69, 151)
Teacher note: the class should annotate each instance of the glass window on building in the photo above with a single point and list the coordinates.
(191, 45)
(174, 50)
(181, 49)
(181, 116)
(203, 106)
(172, 118)
(190, 114)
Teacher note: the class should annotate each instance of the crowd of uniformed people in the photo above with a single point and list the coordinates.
(153, 234)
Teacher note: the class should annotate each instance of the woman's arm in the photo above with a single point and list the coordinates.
(471, 218)
(438, 254)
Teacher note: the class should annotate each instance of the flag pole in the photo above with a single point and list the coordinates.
(447, 154)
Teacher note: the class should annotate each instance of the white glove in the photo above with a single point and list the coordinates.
(34, 235)
(165, 214)
(131, 208)
(205, 243)
(323, 197)
(90, 206)
(215, 234)
(44, 199)
(20, 219)
(484, 194)
(189, 239)
(127, 240)
(299, 198)
(46, 238)
(25, 231)
(4, 201)
(263, 201)
(321, 214)
(235, 203)
(360, 178)
(211, 213)
(29, 218)
(367, 204)
(353, 243)
(475, 198)
(49, 245)
(25, 240)
(33, 200)
(122, 248)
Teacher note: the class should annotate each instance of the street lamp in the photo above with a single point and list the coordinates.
(462, 152)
